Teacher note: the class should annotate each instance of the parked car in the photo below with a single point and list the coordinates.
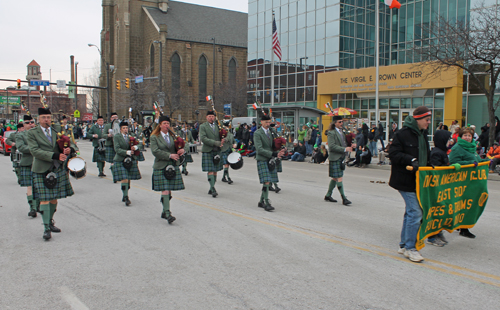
(4, 147)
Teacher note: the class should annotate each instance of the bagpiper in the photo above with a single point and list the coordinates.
(25, 166)
(50, 175)
(266, 160)
(99, 138)
(11, 140)
(111, 129)
(125, 166)
(185, 134)
(166, 173)
(227, 148)
(211, 151)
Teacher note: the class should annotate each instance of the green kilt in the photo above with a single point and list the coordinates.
(25, 176)
(334, 169)
(224, 156)
(140, 157)
(189, 158)
(110, 153)
(63, 188)
(265, 175)
(98, 156)
(120, 173)
(207, 162)
(160, 182)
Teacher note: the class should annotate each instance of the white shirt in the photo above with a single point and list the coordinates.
(165, 134)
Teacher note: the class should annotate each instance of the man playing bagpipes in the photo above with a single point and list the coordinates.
(211, 151)
(50, 174)
(99, 135)
(11, 140)
(111, 129)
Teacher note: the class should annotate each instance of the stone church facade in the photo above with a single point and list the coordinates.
(203, 52)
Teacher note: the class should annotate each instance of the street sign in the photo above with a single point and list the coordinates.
(61, 84)
(76, 114)
(139, 79)
(39, 83)
(87, 117)
(227, 109)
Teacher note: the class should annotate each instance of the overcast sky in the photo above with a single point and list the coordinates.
(50, 31)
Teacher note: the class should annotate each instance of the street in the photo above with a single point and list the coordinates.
(226, 253)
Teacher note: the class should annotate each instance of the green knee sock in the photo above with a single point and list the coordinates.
(211, 179)
(341, 190)
(45, 209)
(125, 187)
(184, 166)
(165, 200)
(226, 172)
(53, 208)
(266, 192)
(100, 166)
(31, 202)
(331, 187)
(275, 185)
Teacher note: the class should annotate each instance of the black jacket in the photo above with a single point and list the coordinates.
(300, 149)
(439, 157)
(403, 149)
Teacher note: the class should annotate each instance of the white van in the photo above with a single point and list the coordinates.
(242, 120)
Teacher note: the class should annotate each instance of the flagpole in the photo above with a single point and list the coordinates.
(377, 56)
(272, 68)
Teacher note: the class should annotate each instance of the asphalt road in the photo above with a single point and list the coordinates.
(226, 253)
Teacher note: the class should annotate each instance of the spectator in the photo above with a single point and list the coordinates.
(381, 134)
(299, 151)
(393, 131)
(321, 155)
(252, 130)
(319, 139)
(494, 156)
(455, 134)
(454, 126)
(464, 153)
(312, 140)
(365, 130)
(245, 134)
(364, 157)
(383, 154)
(302, 134)
(372, 138)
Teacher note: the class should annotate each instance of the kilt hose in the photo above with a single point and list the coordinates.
(334, 169)
(110, 153)
(160, 182)
(224, 156)
(140, 157)
(96, 157)
(279, 166)
(121, 173)
(62, 189)
(207, 162)
(25, 176)
(265, 175)
(189, 158)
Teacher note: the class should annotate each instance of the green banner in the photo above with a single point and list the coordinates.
(13, 100)
(450, 199)
(71, 90)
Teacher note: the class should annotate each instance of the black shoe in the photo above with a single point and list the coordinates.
(346, 202)
(185, 172)
(32, 213)
(163, 215)
(268, 207)
(271, 188)
(101, 175)
(229, 181)
(224, 179)
(210, 192)
(170, 219)
(261, 204)
(127, 201)
(47, 235)
(277, 189)
(330, 198)
(53, 228)
(467, 234)
(214, 193)
(124, 198)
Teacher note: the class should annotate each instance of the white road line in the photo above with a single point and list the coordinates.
(72, 300)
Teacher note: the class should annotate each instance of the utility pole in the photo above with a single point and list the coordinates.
(213, 69)
(161, 96)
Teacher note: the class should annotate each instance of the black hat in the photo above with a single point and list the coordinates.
(27, 117)
(265, 117)
(20, 125)
(163, 118)
(100, 116)
(64, 117)
(421, 112)
(43, 111)
(210, 112)
(123, 124)
(337, 118)
(495, 143)
(113, 113)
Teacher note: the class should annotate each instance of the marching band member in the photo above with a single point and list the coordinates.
(185, 134)
(211, 155)
(97, 132)
(136, 132)
(226, 149)
(25, 174)
(125, 163)
(337, 148)
(264, 153)
(11, 140)
(48, 163)
(279, 164)
(166, 173)
(108, 129)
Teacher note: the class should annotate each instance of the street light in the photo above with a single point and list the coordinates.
(107, 79)
(76, 87)
(160, 93)
(304, 91)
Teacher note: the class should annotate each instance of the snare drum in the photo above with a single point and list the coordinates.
(77, 167)
(235, 160)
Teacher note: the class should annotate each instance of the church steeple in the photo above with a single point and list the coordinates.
(34, 72)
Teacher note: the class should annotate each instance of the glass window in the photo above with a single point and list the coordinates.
(252, 8)
(231, 71)
(332, 44)
(364, 104)
(332, 12)
(176, 72)
(252, 21)
(282, 25)
(301, 21)
(320, 47)
(356, 104)
(301, 35)
(292, 23)
(383, 103)
(320, 31)
(269, 4)
(372, 103)
(301, 50)
(409, 22)
(332, 29)
(311, 31)
(443, 9)
(320, 3)
(405, 103)
(363, 114)
(417, 102)
(252, 34)
(292, 53)
(311, 19)
(292, 9)
(428, 102)
(394, 103)
(311, 5)
(332, 60)
(202, 78)
(283, 11)
(320, 16)
(262, 5)
(439, 102)
(301, 5)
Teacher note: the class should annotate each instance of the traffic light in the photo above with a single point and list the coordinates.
(118, 86)
(127, 82)
(18, 83)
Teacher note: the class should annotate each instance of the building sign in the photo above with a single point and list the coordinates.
(13, 100)
(87, 117)
(391, 78)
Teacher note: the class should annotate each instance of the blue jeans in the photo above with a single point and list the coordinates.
(411, 222)
(381, 138)
(373, 147)
(297, 157)
(309, 148)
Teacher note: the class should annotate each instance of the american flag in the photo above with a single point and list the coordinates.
(276, 41)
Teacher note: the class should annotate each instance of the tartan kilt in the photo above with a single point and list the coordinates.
(207, 162)
(63, 188)
(279, 166)
(189, 158)
(110, 153)
(96, 157)
(224, 156)
(160, 182)
(334, 169)
(25, 176)
(120, 173)
(140, 157)
(265, 175)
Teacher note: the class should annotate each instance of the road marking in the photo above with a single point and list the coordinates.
(72, 300)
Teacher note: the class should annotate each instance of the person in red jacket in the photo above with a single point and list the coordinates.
(494, 156)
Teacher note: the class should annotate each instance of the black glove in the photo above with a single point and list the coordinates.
(414, 164)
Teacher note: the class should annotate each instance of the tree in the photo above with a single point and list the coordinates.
(234, 93)
(473, 47)
(93, 94)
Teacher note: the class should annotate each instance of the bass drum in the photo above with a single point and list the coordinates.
(235, 160)
(77, 167)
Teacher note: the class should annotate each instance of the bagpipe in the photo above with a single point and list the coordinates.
(179, 143)
(222, 130)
